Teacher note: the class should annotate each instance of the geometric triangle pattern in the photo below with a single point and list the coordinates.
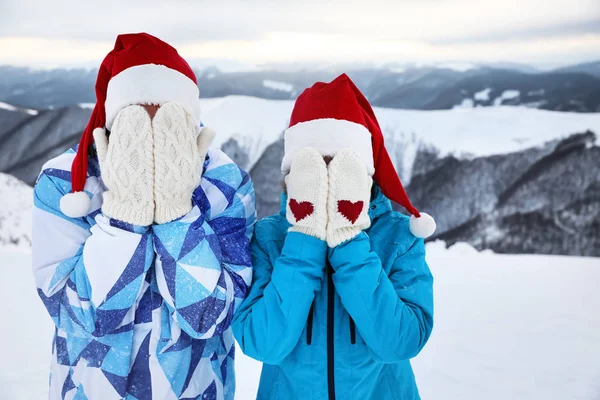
(163, 327)
(139, 382)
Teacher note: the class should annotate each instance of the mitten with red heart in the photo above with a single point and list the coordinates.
(307, 186)
(349, 197)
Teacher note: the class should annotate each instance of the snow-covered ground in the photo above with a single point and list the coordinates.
(484, 95)
(518, 327)
(482, 131)
(506, 95)
(277, 85)
(16, 202)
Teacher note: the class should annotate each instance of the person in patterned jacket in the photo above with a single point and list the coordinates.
(141, 240)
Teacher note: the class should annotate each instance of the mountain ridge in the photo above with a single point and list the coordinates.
(573, 88)
(493, 177)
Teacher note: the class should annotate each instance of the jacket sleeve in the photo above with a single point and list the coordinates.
(393, 314)
(271, 320)
(203, 265)
(89, 277)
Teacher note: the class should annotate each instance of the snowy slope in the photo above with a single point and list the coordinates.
(506, 327)
(512, 327)
(16, 201)
(276, 85)
(256, 123)
(9, 107)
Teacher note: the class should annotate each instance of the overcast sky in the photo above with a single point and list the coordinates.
(46, 33)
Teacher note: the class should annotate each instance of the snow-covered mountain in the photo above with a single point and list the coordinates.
(508, 178)
(256, 123)
(590, 68)
(9, 107)
(423, 87)
(511, 179)
(506, 327)
(28, 140)
(544, 199)
(16, 201)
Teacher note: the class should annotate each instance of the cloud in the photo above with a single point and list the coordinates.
(198, 21)
(178, 21)
(572, 29)
(261, 31)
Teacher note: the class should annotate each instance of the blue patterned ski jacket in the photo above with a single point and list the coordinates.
(144, 312)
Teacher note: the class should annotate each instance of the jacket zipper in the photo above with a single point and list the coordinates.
(309, 324)
(330, 348)
(352, 331)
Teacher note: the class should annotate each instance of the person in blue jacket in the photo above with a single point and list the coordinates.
(141, 240)
(341, 297)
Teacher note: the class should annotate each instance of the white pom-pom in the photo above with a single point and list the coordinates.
(422, 227)
(75, 205)
(98, 131)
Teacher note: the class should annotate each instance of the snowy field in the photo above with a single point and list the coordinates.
(508, 327)
(16, 203)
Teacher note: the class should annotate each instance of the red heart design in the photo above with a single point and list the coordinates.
(350, 210)
(301, 210)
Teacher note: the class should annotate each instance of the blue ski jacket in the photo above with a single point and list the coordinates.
(337, 323)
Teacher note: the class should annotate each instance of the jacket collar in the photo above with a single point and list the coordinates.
(379, 203)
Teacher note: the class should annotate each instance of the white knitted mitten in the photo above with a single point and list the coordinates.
(307, 194)
(349, 197)
(127, 167)
(179, 153)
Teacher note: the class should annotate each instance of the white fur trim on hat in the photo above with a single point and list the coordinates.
(151, 84)
(75, 205)
(328, 136)
(422, 227)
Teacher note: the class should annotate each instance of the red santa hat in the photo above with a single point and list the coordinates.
(334, 116)
(141, 69)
